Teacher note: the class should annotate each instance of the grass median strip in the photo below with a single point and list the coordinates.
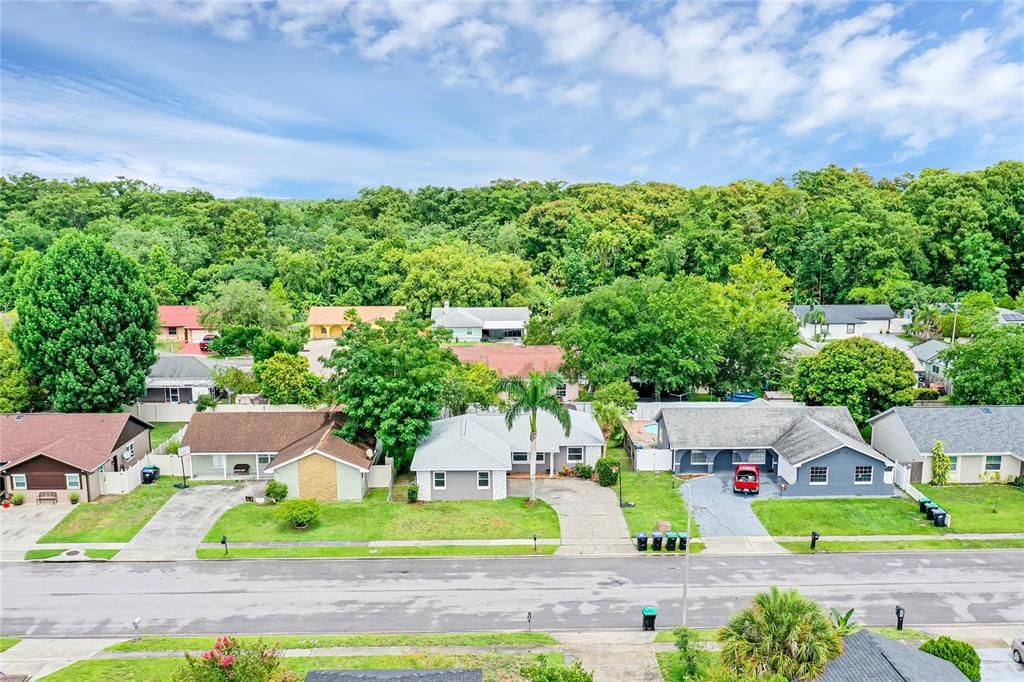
(7, 642)
(101, 553)
(34, 554)
(496, 667)
(342, 552)
(825, 546)
(377, 519)
(669, 636)
(422, 639)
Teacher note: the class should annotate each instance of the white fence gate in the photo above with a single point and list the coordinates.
(120, 482)
(653, 460)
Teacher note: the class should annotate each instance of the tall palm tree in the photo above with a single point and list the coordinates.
(927, 321)
(781, 633)
(530, 396)
(815, 316)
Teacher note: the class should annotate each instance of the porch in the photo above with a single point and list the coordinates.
(235, 467)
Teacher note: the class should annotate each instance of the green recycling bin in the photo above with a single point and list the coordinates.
(671, 539)
(650, 613)
(929, 510)
(922, 502)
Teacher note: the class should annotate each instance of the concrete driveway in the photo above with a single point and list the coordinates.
(316, 351)
(890, 340)
(178, 528)
(21, 527)
(997, 665)
(727, 522)
(589, 515)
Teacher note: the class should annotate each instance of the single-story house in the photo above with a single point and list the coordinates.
(1007, 316)
(469, 457)
(331, 321)
(933, 370)
(297, 448)
(179, 323)
(396, 675)
(845, 321)
(870, 657)
(982, 441)
(813, 451)
(519, 361)
(64, 453)
(482, 324)
(177, 379)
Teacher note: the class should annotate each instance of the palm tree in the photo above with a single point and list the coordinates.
(608, 415)
(530, 396)
(927, 321)
(781, 633)
(815, 316)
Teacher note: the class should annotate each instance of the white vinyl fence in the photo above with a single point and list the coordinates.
(653, 460)
(120, 482)
(382, 474)
(162, 412)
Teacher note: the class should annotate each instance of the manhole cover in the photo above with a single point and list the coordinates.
(72, 552)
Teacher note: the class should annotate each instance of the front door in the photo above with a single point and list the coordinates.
(916, 470)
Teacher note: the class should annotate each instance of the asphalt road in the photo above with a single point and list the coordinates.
(335, 596)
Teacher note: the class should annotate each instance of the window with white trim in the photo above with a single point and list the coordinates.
(174, 394)
(129, 451)
(560, 390)
(520, 456)
(818, 476)
(440, 480)
(483, 480)
(851, 329)
(540, 456)
(863, 475)
(264, 459)
(73, 481)
(756, 457)
(19, 481)
(954, 463)
(736, 457)
(993, 462)
(574, 455)
(698, 457)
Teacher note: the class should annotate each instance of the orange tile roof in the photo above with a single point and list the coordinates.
(512, 361)
(335, 314)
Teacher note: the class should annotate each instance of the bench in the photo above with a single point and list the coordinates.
(46, 496)
(241, 470)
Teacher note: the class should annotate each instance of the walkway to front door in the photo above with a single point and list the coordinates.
(591, 520)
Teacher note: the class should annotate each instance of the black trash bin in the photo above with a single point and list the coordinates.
(929, 510)
(650, 613)
(683, 539)
(922, 502)
(150, 474)
(656, 540)
(641, 542)
(941, 517)
(671, 539)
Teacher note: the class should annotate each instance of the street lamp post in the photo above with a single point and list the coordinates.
(686, 559)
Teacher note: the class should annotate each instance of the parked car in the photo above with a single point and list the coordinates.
(204, 345)
(1017, 647)
(746, 478)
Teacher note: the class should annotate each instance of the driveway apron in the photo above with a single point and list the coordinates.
(23, 525)
(179, 527)
(589, 515)
(726, 519)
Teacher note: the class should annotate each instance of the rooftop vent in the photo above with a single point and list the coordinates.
(19, 417)
(987, 410)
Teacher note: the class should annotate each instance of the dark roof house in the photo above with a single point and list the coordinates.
(869, 657)
(847, 313)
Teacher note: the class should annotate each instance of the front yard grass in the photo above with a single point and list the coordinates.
(657, 498)
(377, 519)
(315, 641)
(989, 508)
(900, 545)
(7, 642)
(164, 430)
(905, 633)
(101, 553)
(34, 554)
(350, 552)
(496, 667)
(670, 637)
(844, 516)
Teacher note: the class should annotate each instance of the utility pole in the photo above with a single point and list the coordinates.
(686, 560)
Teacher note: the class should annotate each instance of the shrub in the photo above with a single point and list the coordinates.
(173, 447)
(277, 491)
(232, 660)
(926, 394)
(606, 473)
(299, 513)
(205, 402)
(960, 654)
(18, 499)
(73, 497)
(941, 465)
(1019, 481)
(543, 671)
(235, 340)
(412, 493)
(584, 471)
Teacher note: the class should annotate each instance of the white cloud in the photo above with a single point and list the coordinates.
(574, 33)
(581, 94)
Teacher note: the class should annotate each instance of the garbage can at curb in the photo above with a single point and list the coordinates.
(650, 613)
(929, 510)
(922, 502)
(641, 542)
(683, 539)
(941, 516)
(671, 539)
(656, 538)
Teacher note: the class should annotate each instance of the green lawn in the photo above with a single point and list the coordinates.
(709, 661)
(906, 633)
(115, 518)
(669, 636)
(971, 507)
(496, 667)
(348, 552)
(901, 545)
(657, 498)
(377, 519)
(845, 516)
(101, 553)
(7, 642)
(164, 430)
(43, 553)
(315, 641)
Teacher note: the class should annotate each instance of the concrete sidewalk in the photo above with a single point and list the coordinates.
(39, 657)
(511, 542)
(901, 538)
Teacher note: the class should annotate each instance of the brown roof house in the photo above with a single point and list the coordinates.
(518, 361)
(51, 454)
(298, 448)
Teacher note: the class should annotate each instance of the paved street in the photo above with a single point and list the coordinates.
(304, 596)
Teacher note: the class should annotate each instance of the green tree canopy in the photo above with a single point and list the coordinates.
(990, 369)
(17, 392)
(473, 383)
(286, 380)
(243, 304)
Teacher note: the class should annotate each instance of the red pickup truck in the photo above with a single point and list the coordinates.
(746, 478)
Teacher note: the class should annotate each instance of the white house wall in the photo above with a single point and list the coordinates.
(289, 475)
(889, 436)
(592, 454)
(351, 482)
(786, 471)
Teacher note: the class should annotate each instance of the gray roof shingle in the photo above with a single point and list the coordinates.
(871, 657)
(976, 429)
(477, 317)
(848, 313)
(168, 366)
(929, 349)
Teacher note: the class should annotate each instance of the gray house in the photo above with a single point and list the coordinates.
(983, 442)
(482, 324)
(933, 369)
(813, 451)
(869, 657)
(177, 379)
(470, 456)
(845, 321)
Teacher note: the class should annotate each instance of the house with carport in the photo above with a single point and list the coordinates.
(984, 442)
(470, 457)
(810, 451)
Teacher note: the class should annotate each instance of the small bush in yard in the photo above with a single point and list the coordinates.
(412, 493)
(18, 499)
(73, 497)
(299, 513)
(960, 654)
(584, 471)
(543, 671)
(230, 660)
(926, 394)
(205, 402)
(606, 474)
(277, 491)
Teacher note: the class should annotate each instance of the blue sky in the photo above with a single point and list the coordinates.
(315, 98)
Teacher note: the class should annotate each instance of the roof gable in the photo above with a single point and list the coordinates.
(186, 316)
(171, 366)
(869, 656)
(335, 314)
(929, 349)
(965, 429)
(80, 440)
